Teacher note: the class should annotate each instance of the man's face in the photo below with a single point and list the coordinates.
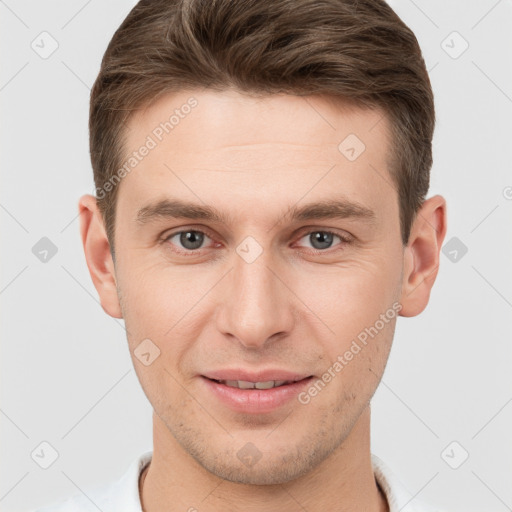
(258, 290)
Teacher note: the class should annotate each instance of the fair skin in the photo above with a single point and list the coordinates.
(298, 306)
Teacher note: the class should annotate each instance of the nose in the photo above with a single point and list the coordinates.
(255, 306)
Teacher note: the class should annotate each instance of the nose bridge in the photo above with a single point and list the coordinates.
(255, 305)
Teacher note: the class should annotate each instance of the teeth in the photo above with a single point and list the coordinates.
(265, 385)
(243, 384)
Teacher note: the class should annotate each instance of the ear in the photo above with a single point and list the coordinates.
(97, 254)
(421, 256)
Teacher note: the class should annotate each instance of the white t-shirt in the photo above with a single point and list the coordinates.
(123, 494)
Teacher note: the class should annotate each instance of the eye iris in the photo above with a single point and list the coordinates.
(322, 238)
(194, 238)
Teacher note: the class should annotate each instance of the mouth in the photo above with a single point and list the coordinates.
(245, 384)
(255, 396)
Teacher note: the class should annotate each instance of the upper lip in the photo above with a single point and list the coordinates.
(252, 376)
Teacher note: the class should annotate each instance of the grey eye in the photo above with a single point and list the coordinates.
(189, 240)
(321, 239)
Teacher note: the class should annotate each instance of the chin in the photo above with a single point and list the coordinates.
(270, 473)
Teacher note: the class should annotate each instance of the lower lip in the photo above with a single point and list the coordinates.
(255, 400)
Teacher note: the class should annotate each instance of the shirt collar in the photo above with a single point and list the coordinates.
(124, 493)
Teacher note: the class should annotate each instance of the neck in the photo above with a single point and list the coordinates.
(343, 482)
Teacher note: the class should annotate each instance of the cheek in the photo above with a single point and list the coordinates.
(347, 297)
(158, 299)
(348, 303)
(164, 306)
(354, 367)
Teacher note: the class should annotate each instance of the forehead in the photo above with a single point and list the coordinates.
(303, 120)
(210, 146)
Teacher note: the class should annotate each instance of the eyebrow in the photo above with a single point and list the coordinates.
(327, 209)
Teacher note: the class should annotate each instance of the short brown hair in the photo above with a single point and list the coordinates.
(359, 52)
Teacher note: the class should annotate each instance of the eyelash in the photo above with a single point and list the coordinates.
(190, 252)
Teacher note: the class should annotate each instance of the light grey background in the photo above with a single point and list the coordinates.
(67, 377)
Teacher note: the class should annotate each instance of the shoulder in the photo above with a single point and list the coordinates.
(399, 498)
(123, 494)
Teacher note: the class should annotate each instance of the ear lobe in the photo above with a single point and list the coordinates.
(421, 258)
(97, 255)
